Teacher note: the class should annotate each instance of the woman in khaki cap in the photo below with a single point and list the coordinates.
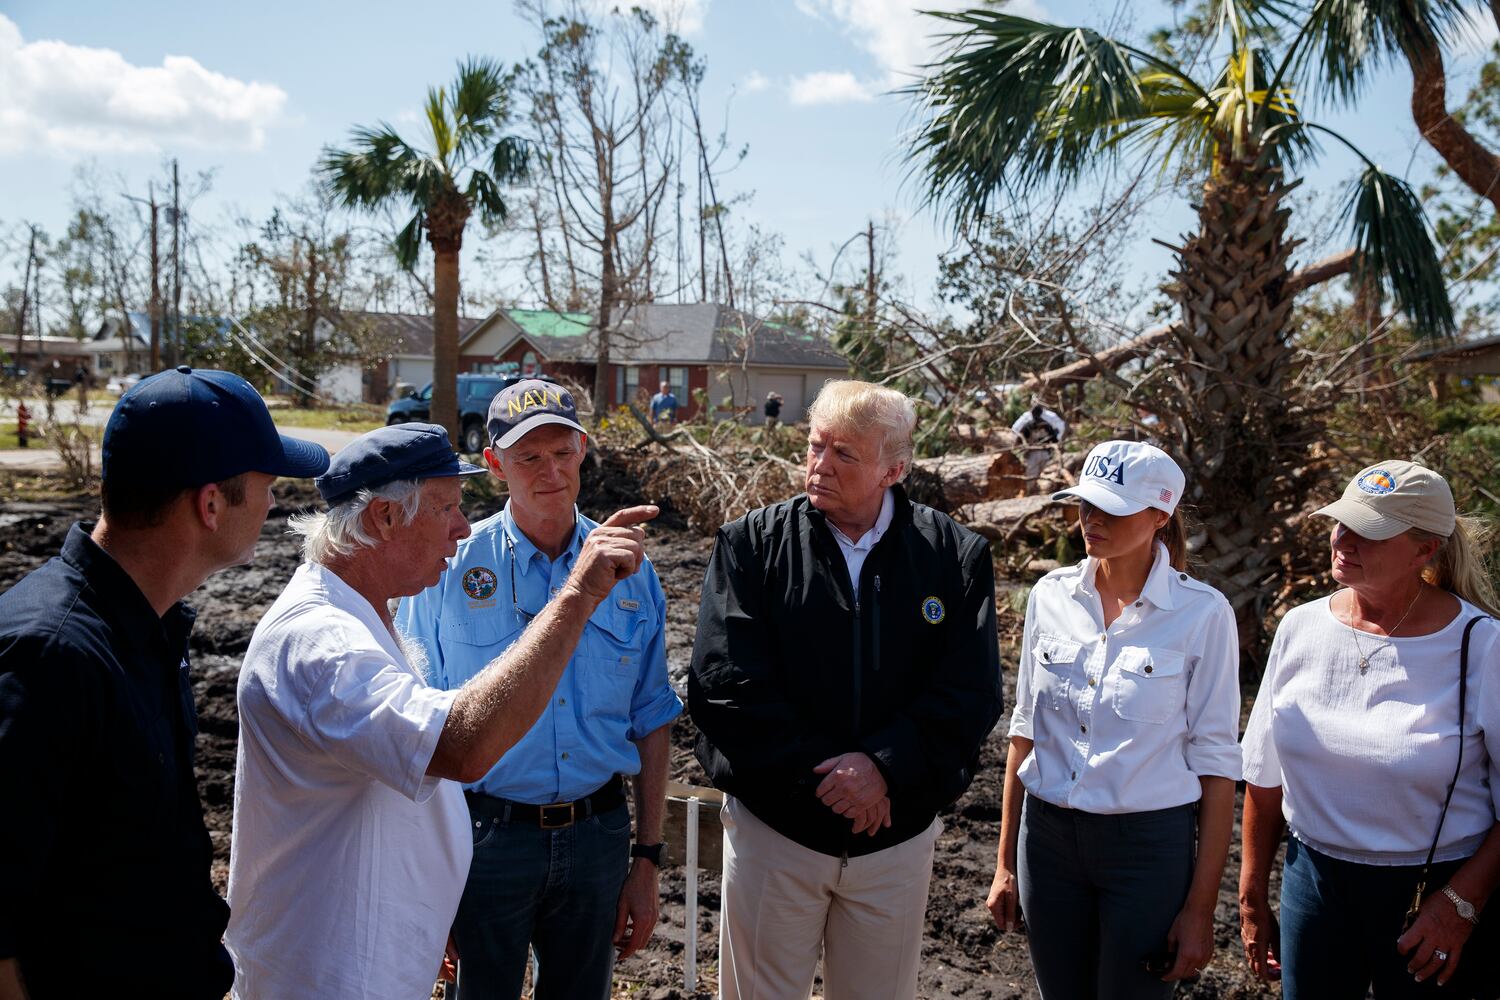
(1376, 738)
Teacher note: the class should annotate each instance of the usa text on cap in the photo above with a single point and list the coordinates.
(1126, 477)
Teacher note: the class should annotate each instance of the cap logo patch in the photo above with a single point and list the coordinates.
(1104, 467)
(533, 397)
(1377, 482)
(480, 583)
(933, 610)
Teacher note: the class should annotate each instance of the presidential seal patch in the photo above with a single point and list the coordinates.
(480, 583)
(933, 610)
(1377, 481)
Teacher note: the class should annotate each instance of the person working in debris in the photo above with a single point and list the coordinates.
(104, 857)
(1041, 430)
(845, 674)
(1119, 782)
(664, 405)
(351, 842)
(553, 868)
(773, 407)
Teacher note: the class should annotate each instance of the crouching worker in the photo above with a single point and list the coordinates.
(554, 871)
(350, 833)
(845, 674)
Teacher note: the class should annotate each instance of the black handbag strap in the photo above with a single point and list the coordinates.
(1463, 692)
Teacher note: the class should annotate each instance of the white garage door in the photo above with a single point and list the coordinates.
(790, 385)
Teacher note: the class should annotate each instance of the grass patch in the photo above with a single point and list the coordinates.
(356, 417)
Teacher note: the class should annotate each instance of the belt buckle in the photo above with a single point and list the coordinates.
(564, 809)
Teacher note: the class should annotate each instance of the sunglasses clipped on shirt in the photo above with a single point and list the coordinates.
(522, 615)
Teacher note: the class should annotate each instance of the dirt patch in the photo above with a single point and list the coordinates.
(963, 954)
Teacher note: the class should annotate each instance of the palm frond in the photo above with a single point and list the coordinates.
(1345, 40)
(374, 168)
(510, 160)
(1019, 102)
(480, 103)
(442, 129)
(484, 194)
(1395, 245)
(408, 243)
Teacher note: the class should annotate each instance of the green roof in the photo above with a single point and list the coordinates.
(546, 323)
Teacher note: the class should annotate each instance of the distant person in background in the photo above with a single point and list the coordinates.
(664, 405)
(104, 856)
(1042, 430)
(773, 408)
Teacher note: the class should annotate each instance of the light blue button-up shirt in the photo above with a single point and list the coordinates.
(614, 689)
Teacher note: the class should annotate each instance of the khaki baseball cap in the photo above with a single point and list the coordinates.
(1391, 497)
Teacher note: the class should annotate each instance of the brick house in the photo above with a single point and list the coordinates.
(736, 357)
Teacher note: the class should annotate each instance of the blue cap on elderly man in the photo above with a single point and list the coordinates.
(412, 451)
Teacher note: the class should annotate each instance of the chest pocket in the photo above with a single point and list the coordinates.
(1057, 670)
(1149, 685)
(612, 656)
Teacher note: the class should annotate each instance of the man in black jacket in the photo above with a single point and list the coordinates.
(845, 674)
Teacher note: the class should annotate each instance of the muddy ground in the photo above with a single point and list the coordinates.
(963, 954)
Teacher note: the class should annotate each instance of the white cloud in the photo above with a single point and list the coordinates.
(73, 99)
(894, 32)
(754, 82)
(831, 88)
(682, 16)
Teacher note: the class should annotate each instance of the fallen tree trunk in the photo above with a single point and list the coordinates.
(951, 481)
(1002, 520)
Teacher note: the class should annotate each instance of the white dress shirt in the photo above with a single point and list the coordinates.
(1127, 718)
(348, 860)
(855, 553)
(1364, 760)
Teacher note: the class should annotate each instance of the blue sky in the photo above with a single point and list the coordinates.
(255, 90)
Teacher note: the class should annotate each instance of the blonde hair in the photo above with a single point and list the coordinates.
(846, 404)
(1459, 566)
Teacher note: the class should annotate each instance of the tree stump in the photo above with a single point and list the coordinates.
(949, 482)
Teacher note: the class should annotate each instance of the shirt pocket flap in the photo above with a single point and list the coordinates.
(1055, 651)
(487, 629)
(623, 620)
(1150, 663)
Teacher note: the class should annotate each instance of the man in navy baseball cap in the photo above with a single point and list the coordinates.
(95, 685)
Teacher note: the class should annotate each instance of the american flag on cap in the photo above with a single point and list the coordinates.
(1166, 496)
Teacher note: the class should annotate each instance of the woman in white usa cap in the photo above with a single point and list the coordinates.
(1123, 739)
(1375, 739)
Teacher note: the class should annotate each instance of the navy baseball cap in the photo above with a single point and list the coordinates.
(186, 427)
(388, 454)
(527, 404)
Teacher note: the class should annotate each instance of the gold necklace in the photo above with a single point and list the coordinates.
(1364, 661)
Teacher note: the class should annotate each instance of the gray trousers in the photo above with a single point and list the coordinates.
(1099, 894)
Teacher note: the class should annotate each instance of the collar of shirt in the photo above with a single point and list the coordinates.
(121, 599)
(1159, 582)
(525, 549)
(868, 539)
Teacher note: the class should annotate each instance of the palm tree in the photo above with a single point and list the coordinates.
(1014, 104)
(460, 172)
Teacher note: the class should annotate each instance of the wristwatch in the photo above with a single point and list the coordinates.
(1463, 906)
(652, 853)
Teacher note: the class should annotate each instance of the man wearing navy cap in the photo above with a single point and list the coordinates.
(553, 869)
(351, 839)
(104, 857)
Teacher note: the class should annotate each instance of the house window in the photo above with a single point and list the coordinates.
(627, 384)
(678, 377)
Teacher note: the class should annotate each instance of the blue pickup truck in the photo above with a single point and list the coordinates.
(474, 395)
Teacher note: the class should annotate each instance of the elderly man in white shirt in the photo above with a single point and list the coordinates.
(350, 844)
(1123, 742)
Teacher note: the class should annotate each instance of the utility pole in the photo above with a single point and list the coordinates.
(150, 202)
(176, 272)
(870, 287)
(25, 299)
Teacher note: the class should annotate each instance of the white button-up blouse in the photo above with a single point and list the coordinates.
(1127, 718)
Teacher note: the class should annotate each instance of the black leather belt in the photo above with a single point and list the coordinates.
(554, 816)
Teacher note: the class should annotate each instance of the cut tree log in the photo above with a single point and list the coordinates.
(1002, 520)
(951, 481)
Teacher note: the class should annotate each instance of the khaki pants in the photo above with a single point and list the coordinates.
(784, 904)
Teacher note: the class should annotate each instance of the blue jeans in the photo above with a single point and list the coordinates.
(1339, 925)
(555, 891)
(1099, 894)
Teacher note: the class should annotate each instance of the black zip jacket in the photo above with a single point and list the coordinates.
(790, 669)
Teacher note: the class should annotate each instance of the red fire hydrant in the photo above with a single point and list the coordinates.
(23, 424)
